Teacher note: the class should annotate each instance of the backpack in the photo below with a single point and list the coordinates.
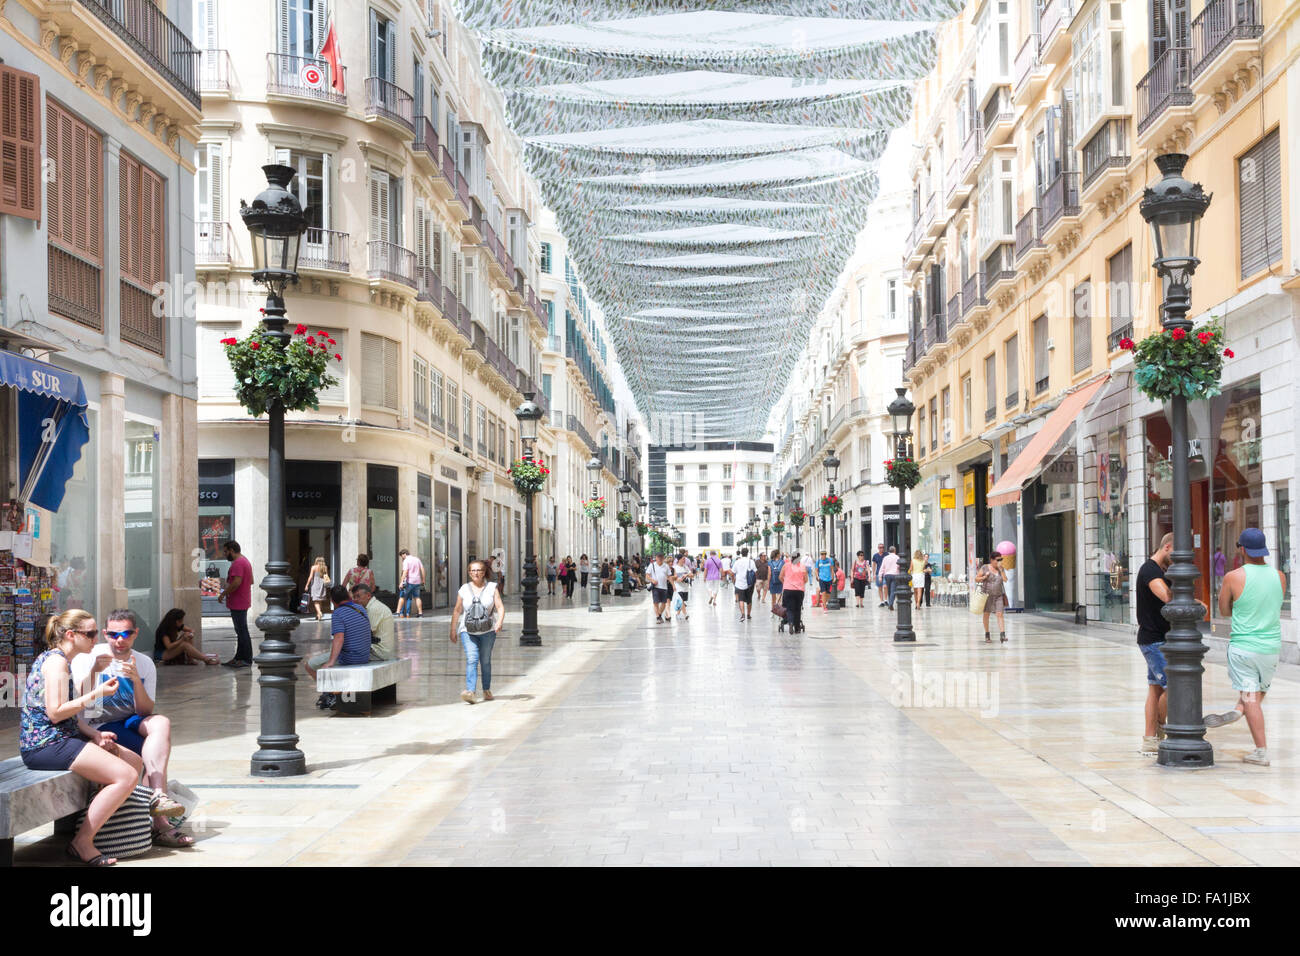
(477, 619)
(751, 576)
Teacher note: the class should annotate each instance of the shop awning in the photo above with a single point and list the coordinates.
(1030, 461)
(52, 426)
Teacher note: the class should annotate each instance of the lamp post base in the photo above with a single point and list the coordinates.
(903, 595)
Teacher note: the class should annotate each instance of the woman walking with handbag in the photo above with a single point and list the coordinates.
(992, 582)
(861, 571)
(476, 620)
(775, 564)
(361, 574)
(318, 585)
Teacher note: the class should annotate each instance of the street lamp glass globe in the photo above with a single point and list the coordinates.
(900, 412)
(528, 414)
(832, 465)
(275, 223)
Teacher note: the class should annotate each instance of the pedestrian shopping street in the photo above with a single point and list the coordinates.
(621, 741)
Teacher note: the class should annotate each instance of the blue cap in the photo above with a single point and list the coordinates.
(1252, 542)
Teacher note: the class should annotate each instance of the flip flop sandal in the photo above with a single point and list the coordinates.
(173, 837)
(164, 806)
(100, 860)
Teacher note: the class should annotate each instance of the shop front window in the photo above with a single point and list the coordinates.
(1112, 564)
(216, 526)
(72, 548)
(140, 499)
(381, 525)
(1284, 542)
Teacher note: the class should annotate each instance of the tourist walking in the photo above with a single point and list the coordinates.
(794, 579)
(318, 585)
(889, 568)
(992, 578)
(1152, 594)
(568, 576)
(550, 575)
(360, 574)
(713, 575)
(410, 584)
(861, 572)
(917, 570)
(53, 735)
(476, 620)
(1252, 594)
(584, 568)
(762, 578)
(929, 573)
(876, 560)
(775, 565)
(237, 596)
(659, 574)
(681, 578)
(743, 575)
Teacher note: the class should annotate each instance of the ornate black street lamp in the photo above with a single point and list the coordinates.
(796, 502)
(593, 578)
(900, 411)
(625, 506)
(831, 463)
(1174, 208)
(767, 527)
(779, 502)
(276, 222)
(528, 414)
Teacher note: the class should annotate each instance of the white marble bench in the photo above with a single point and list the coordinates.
(32, 798)
(362, 685)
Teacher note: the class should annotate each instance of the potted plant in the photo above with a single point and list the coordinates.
(624, 519)
(778, 526)
(1175, 362)
(595, 508)
(902, 473)
(528, 474)
(831, 505)
(798, 516)
(265, 369)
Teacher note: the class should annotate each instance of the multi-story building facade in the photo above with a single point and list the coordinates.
(1029, 262)
(709, 490)
(100, 108)
(580, 379)
(418, 261)
(837, 400)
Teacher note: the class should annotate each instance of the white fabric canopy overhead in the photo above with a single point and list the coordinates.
(710, 170)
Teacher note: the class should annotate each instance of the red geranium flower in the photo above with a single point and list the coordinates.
(311, 340)
(332, 342)
(1178, 334)
(300, 329)
(1204, 337)
(230, 341)
(1229, 353)
(1126, 343)
(339, 357)
(254, 345)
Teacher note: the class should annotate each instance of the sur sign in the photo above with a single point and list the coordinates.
(947, 498)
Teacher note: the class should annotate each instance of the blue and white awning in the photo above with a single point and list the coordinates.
(52, 426)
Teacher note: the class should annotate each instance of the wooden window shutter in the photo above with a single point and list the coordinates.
(391, 27)
(282, 26)
(73, 200)
(216, 183)
(1260, 211)
(375, 27)
(372, 369)
(128, 190)
(337, 394)
(392, 373)
(1082, 326)
(20, 143)
(321, 12)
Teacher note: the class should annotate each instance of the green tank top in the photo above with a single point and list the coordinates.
(1257, 614)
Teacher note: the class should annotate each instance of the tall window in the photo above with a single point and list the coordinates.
(966, 420)
(947, 415)
(726, 516)
(990, 386)
(1011, 362)
(702, 492)
(1259, 174)
(467, 422)
(380, 360)
(546, 257)
(311, 186)
(1081, 326)
(1120, 293)
(419, 388)
(142, 227)
(480, 423)
(301, 26)
(704, 516)
(435, 398)
(704, 472)
(20, 143)
(934, 424)
(1042, 367)
(453, 410)
(75, 215)
(383, 47)
(386, 208)
(891, 299)
(920, 430)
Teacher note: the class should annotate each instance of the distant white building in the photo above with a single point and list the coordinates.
(710, 490)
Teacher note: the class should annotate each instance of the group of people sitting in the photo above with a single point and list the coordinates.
(89, 707)
(361, 630)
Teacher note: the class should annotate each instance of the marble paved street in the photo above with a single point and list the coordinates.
(714, 742)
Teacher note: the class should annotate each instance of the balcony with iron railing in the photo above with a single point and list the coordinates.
(991, 412)
(575, 426)
(1013, 399)
(555, 344)
(1029, 71)
(425, 143)
(920, 239)
(936, 330)
(1028, 235)
(953, 314)
(1104, 157)
(1120, 333)
(972, 294)
(388, 101)
(428, 287)
(1222, 35)
(293, 76)
(144, 27)
(998, 118)
(1054, 29)
(391, 262)
(999, 267)
(970, 153)
(214, 244)
(325, 249)
(1059, 203)
(1164, 94)
(957, 190)
(215, 73)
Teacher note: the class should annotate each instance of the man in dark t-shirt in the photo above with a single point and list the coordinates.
(875, 572)
(1152, 593)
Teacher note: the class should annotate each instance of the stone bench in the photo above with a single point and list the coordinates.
(32, 798)
(362, 685)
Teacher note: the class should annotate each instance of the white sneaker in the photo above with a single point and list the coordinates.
(1150, 745)
(1258, 756)
(1218, 720)
(467, 697)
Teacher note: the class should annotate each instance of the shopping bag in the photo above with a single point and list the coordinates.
(978, 600)
(780, 611)
(677, 602)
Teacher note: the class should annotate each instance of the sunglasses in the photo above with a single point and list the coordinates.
(117, 635)
(90, 633)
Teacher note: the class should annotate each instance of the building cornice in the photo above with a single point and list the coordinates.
(282, 133)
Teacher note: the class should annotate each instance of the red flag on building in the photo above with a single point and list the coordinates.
(329, 52)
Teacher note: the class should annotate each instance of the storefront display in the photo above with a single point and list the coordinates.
(424, 533)
(27, 599)
(216, 526)
(312, 492)
(1111, 563)
(141, 499)
(381, 527)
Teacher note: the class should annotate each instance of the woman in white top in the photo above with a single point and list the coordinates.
(682, 575)
(478, 647)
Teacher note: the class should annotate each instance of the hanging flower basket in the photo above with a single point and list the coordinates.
(798, 516)
(902, 473)
(642, 528)
(1174, 362)
(832, 505)
(767, 532)
(295, 374)
(529, 475)
(778, 527)
(595, 508)
(624, 519)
